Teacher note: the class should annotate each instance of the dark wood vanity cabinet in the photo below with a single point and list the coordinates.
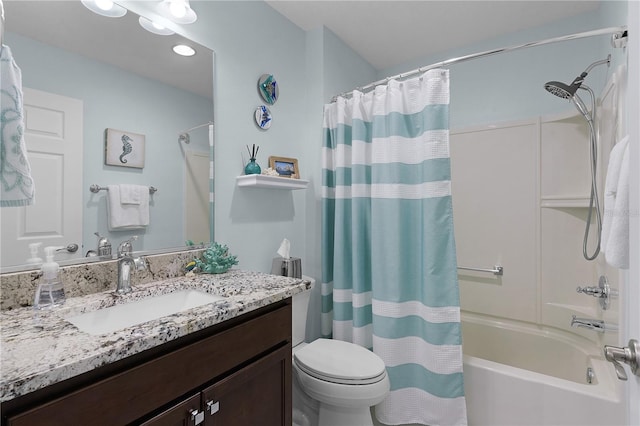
(235, 373)
(254, 395)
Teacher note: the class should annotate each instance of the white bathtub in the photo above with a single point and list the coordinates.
(518, 374)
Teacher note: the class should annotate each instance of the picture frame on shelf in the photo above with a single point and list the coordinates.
(285, 166)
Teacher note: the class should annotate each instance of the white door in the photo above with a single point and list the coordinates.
(53, 135)
(196, 225)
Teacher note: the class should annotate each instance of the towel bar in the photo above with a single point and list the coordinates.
(497, 270)
(97, 188)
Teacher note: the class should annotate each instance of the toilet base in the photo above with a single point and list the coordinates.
(305, 409)
(331, 415)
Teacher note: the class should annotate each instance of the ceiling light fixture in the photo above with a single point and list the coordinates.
(105, 8)
(154, 27)
(179, 11)
(184, 50)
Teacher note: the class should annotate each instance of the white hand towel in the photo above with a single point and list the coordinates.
(16, 183)
(611, 190)
(132, 194)
(617, 249)
(127, 216)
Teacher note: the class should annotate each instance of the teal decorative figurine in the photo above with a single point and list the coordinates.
(216, 259)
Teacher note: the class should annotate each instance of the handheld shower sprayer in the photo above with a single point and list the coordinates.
(569, 92)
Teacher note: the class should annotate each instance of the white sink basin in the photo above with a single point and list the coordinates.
(126, 315)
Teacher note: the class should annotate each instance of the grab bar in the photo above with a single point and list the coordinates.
(97, 188)
(497, 269)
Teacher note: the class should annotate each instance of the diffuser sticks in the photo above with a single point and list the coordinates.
(253, 152)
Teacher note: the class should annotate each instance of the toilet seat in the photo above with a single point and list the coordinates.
(339, 362)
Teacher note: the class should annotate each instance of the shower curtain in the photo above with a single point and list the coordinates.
(389, 278)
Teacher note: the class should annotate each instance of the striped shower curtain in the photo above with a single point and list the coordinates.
(389, 279)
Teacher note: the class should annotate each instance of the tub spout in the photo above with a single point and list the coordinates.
(592, 324)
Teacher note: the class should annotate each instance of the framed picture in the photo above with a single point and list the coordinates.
(286, 167)
(125, 149)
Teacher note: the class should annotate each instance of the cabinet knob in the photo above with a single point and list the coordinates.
(213, 407)
(197, 417)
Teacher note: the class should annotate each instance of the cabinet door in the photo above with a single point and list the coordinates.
(178, 415)
(258, 394)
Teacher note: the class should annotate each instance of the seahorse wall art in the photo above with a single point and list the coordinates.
(124, 149)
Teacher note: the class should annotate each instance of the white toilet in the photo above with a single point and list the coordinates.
(334, 382)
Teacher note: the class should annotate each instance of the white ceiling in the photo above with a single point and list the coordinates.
(392, 32)
(118, 41)
(386, 33)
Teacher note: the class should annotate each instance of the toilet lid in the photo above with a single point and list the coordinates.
(340, 362)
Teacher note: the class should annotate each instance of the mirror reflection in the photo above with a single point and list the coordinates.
(83, 74)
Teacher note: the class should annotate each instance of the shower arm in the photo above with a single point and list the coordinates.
(595, 64)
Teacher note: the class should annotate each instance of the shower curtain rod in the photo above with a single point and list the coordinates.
(208, 123)
(619, 33)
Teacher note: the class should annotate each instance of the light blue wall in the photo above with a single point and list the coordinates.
(509, 86)
(113, 98)
(249, 39)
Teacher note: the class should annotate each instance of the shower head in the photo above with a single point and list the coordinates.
(567, 91)
(561, 90)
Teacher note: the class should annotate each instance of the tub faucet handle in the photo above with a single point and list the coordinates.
(603, 291)
(592, 291)
(629, 355)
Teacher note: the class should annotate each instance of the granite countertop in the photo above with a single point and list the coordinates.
(40, 348)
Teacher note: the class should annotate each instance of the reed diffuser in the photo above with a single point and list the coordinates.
(252, 168)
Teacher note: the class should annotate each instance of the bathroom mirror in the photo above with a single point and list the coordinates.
(119, 76)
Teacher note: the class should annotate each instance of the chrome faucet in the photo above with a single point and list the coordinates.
(592, 324)
(125, 264)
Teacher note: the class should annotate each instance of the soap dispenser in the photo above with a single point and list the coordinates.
(104, 246)
(50, 292)
(34, 259)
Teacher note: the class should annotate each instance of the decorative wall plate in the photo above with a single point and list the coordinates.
(268, 88)
(263, 117)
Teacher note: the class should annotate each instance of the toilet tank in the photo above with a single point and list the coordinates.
(300, 307)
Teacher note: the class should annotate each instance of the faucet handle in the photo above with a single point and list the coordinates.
(629, 355)
(603, 291)
(126, 247)
(140, 263)
(592, 291)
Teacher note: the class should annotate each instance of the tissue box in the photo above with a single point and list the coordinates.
(291, 267)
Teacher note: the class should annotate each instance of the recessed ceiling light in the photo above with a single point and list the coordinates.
(184, 50)
(154, 27)
(179, 11)
(105, 8)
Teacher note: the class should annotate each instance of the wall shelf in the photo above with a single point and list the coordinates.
(274, 182)
(564, 202)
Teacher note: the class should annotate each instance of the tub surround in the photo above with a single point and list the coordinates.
(40, 348)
